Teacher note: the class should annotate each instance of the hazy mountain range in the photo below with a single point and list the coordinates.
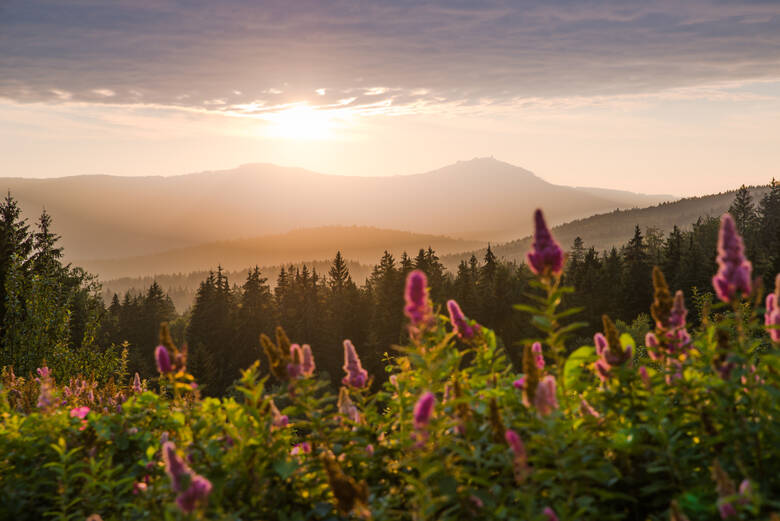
(601, 231)
(111, 217)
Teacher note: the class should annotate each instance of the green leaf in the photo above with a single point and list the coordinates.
(285, 467)
(575, 364)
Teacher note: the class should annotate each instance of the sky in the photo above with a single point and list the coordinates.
(650, 96)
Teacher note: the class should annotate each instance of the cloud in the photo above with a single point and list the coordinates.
(244, 57)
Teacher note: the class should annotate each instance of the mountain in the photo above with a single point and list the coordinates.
(360, 244)
(105, 217)
(606, 230)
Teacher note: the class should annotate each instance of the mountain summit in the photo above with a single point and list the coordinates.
(483, 199)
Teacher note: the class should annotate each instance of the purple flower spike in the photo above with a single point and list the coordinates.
(137, 383)
(174, 465)
(423, 410)
(294, 367)
(734, 270)
(546, 256)
(307, 360)
(459, 322)
(356, 375)
(198, 491)
(536, 348)
(601, 343)
(546, 400)
(418, 307)
(726, 510)
(678, 312)
(772, 315)
(515, 443)
(163, 360)
(550, 514)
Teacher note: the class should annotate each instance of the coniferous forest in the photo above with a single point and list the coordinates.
(635, 383)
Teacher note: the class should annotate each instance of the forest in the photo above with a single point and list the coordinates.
(587, 385)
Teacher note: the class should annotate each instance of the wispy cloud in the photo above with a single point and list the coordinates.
(390, 57)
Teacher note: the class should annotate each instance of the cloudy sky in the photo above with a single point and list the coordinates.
(672, 97)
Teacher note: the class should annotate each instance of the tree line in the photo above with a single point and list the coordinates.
(222, 328)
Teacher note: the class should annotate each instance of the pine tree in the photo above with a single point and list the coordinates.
(743, 211)
(256, 316)
(15, 240)
(637, 286)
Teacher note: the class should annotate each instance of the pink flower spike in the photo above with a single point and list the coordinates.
(734, 270)
(356, 376)
(459, 322)
(163, 360)
(546, 400)
(550, 513)
(418, 307)
(515, 443)
(546, 256)
(423, 410)
(307, 361)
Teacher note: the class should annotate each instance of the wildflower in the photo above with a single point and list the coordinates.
(601, 343)
(515, 443)
(423, 410)
(294, 369)
(137, 383)
(301, 448)
(79, 412)
(278, 419)
(726, 509)
(370, 449)
(197, 487)
(587, 409)
(459, 322)
(550, 513)
(645, 377)
(536, 348)
(519, 383)
(356, 376)
(163, 360)
(546, 256)
(545, 400)
(772, 315)
(734, 270)
(609, 349)
(307, 360)
(198, 490)
(174, 465)
(651, 342)
(139, 487)
(418, 306)
(477, 502)
(520, 459)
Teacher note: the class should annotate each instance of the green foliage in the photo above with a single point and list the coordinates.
(625, 447)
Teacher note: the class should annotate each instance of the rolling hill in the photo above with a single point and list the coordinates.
(603, 231)
(109, 217)
(358, 243)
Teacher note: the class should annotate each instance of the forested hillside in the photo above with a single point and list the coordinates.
(319, 307)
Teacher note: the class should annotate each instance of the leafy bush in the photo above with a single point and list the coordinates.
(655, 428)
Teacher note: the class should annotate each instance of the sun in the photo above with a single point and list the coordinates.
(301, 123)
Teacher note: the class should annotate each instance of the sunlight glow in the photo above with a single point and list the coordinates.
(302, 122)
